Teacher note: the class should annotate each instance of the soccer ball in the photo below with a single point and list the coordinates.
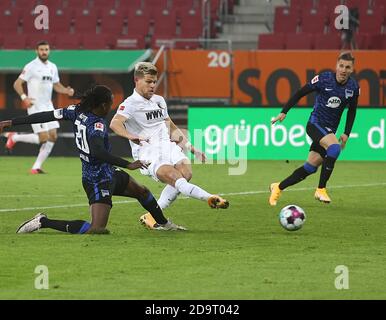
(292, 217)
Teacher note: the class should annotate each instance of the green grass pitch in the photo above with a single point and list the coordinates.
(239, 253)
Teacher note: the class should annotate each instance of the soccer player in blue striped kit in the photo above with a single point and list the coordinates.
(334, 92)
(100, 178)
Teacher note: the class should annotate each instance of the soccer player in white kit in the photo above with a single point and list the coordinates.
(143, 119)
(41, 76)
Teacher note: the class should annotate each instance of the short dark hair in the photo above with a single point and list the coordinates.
(42, 43)
(346, 56)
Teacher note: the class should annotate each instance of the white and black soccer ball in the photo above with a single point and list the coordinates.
(292, 217)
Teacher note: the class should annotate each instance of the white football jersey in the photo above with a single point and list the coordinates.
(40, 78)
(145, 118)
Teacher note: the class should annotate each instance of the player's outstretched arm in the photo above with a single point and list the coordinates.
(97, 150)
(118, 126)
(40, 117)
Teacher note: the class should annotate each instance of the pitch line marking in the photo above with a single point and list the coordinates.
(223, 194)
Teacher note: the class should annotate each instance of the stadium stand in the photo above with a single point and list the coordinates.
(99, 24)
(310, 24)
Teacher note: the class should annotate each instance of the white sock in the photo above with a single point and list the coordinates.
(191, 190)
(27, 138)
(168, 195)
(44, 152)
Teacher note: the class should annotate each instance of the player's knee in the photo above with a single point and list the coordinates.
(142, 192)
(53, 138)
(43, 138)
(310, 168)
(333, 150)
(187, 175)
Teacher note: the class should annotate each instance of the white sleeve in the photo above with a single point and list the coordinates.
(26, 74)
(165, 107)
(56, 78)
(124, 110)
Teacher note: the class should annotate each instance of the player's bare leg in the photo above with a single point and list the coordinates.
(99, 217)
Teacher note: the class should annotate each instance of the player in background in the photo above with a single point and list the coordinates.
(144, 117)
(41, 76)
(334, 92)
(100, 178)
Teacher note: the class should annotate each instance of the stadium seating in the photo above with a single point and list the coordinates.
(108, 23)
(314, 21)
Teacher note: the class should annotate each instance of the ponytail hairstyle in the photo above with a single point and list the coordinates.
(94, 97)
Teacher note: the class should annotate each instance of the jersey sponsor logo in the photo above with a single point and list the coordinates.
(99, 126)
(71, 107)
(154, 114)
(105, 192)
(315, 79)
(333, 102)
(349, 93)
(121, 108)
(328, 89)
(47, 78)
(58, 114)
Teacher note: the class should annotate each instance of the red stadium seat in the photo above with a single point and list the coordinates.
(272, 41)
(372, 21)
(34, 38)
(9, 24)
(133, 5)
(11, 41)
(296, 41)
(330, 41)
(68, 41)
(190, 26)
(26, 4)
(137, 25)
(286, 20)
(61, 23)
(80, 4)
(85, 21)
(313, 21)
(165, 25)
(94, 42)
(112, 24)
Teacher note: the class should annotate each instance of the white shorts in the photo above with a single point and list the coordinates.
(42, 127)
(165, 153)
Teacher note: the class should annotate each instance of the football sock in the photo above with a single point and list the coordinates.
(327, 168)
(151, 205)
(44, 152)
(191, 190)
(75, 226)
(168, 195)
(27, 138)
(298, 175)
(332, 152)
